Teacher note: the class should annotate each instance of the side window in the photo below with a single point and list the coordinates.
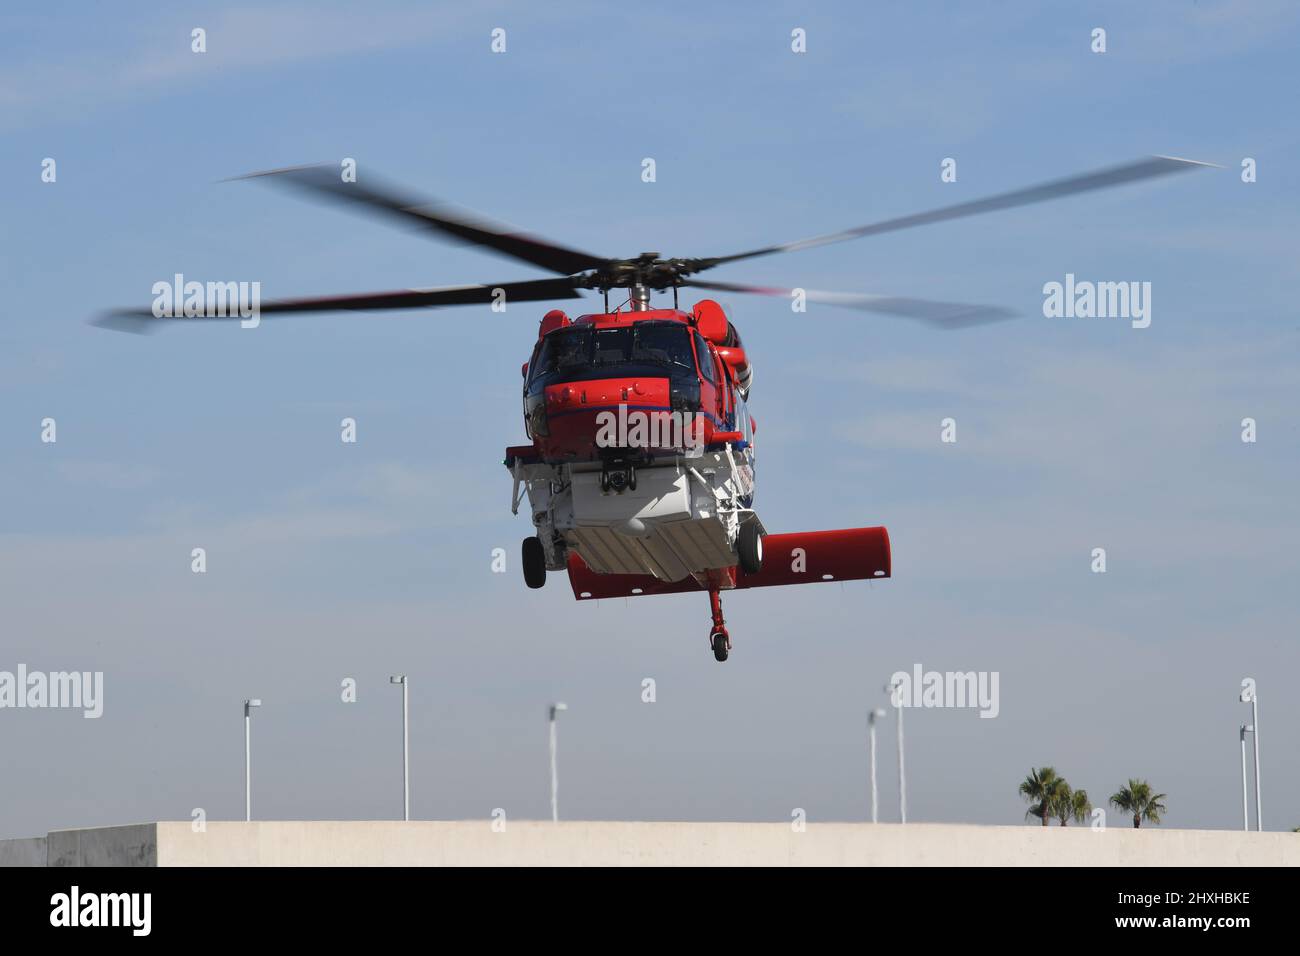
(705, 359)
(532, 366)
(724, 391)
(742, 421)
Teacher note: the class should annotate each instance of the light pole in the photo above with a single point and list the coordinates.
(895, 692)
(555, 773)
(1249, 696)
(872, 716)
(1245, 803)
(406, 747)
(249, 704)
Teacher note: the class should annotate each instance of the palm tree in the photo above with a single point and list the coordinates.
(1041, 788)
(1138, 800)
(1080, 806)
(1062, 803)
(1069, 804)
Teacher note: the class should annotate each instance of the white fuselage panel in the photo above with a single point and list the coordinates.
(682, 518)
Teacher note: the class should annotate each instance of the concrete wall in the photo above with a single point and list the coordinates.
(23, 852)
(135, 845)
(534, 843)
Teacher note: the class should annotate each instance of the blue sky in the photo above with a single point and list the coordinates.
(329, 561)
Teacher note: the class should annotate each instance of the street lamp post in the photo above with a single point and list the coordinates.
(872, 716)
(555, 773)
(895, 692)
(406, 745)
(1250, 696)
(249, 704)
(1245, 803)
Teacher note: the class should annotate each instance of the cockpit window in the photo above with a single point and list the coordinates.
(668, 343)
(610, 346)
(644, 348)
(706, 359)
(562, 350)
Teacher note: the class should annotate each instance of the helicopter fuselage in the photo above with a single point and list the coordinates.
(642, 459)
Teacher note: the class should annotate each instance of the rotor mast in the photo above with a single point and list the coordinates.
(639, 298)
(639, 276)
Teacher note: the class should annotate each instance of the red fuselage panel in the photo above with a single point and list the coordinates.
(804, 557)
(572, 409)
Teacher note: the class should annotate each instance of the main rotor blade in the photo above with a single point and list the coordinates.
(942, 315)
(536, 290)
(326, 181)
(1099, 179)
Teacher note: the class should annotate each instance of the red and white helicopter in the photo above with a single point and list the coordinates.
(640, 471)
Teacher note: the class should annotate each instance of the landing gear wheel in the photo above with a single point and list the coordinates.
(721, 645)
(749, 547)
(534, 560)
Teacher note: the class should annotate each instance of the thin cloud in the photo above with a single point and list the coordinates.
(239, 40)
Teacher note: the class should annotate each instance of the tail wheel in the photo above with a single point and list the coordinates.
(534, 560)
(749, 548)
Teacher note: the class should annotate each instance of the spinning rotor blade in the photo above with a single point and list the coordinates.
(943, 315)
(536, 290)
(326, 181)
(1100, 179)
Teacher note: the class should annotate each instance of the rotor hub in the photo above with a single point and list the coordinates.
(648, 269)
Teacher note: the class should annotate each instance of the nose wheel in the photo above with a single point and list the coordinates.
(719, 639)
(721, 644)
(534, 562)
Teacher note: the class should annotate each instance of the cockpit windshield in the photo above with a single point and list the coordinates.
(584, 352)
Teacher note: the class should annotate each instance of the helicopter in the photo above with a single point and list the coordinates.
(639, 471)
